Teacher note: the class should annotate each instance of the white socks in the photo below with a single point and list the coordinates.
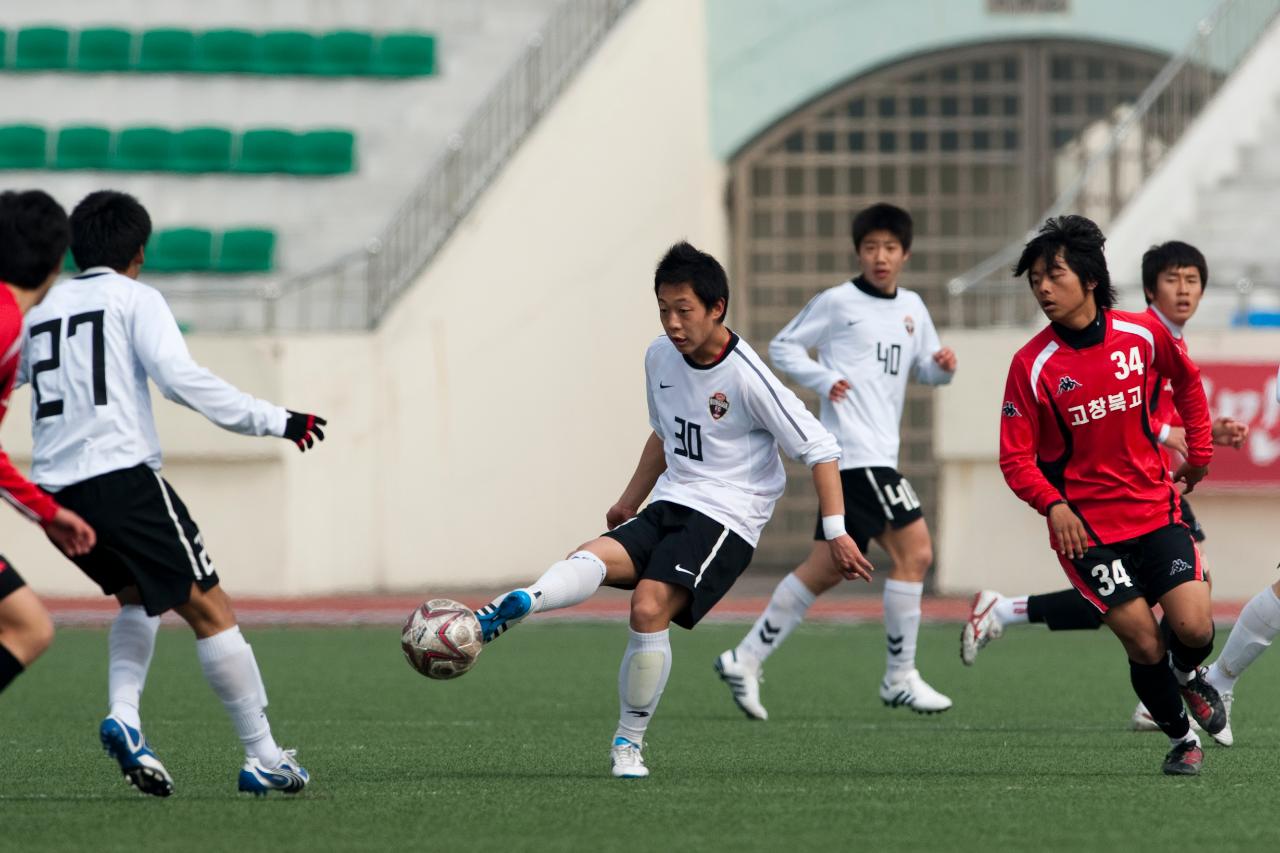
(786, 610)
(1011, 611)
(565, 584)
(901, 626)
(641, 679)
(1257, 626)
(130, 644)
(231, 670)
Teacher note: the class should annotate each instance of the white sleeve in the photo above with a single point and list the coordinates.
(653, 406)
(927, 370)
(789, 350)
(159, 346)
(23, 376)
(776, 409)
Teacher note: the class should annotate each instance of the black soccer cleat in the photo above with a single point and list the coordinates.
(1204, 703)
(1184, 759)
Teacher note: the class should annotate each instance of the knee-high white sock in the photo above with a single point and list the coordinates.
(901, 625)
(565, 584)
(791, 599)
(1011, 611)
(130, 644)
(1257, 626)
(641, 679)
(232, 671)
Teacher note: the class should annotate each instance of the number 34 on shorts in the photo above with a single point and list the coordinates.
(1145, 567)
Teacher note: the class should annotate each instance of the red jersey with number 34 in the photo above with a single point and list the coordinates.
(15, 488)
(1076, 424)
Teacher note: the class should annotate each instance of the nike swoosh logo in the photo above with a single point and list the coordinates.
(660, 385)
(680, 568)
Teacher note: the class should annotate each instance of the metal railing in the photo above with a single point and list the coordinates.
(354, 291)
(1110, 174)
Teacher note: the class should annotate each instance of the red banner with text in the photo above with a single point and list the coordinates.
(1245, 391)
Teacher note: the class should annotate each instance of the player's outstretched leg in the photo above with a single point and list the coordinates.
(991, 613)
(568, 582)
(742, 668)
(232, 671)
(130, 644)
(1254, 631)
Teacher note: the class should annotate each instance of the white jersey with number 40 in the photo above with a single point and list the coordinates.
(88, 350)
(721, 426)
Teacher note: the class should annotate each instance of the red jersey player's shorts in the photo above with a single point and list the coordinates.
(10, 580)
(1147, 566)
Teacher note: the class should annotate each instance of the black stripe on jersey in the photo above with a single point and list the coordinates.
(88, 275)
(776, 399)
(799, 318)
(1055, 471)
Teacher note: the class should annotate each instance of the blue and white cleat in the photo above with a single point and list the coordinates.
(288, 776)
(514, 606)
(625, 761)
(137, 762)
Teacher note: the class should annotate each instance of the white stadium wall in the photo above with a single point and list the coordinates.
(987, 538)
(491, 420)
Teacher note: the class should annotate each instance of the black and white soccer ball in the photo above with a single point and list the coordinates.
(442, 638)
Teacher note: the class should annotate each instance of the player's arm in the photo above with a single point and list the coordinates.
(164, 355)
(935, 364)
(64, 528)
(789, 350)
(653, 461)
(801, 436)
(1172, 360)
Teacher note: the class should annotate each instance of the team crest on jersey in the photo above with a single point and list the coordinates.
(1009, 410)
(910, 324)
(1066, 384)
(719, 405)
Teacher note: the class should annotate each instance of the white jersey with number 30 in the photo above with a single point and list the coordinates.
(721, 426)
(88, 350)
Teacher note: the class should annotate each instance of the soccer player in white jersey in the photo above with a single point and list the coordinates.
(88, 352)
(711, 471)
(871, 336)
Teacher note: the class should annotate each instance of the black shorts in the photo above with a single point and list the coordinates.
(1146, 567)
(10, 580)
(873, 499)
(677, 545)
(1190, 520)
(146, 537)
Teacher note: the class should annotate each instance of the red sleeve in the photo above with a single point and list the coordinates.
(26, 497)
(1019, 437)
(1172, 360)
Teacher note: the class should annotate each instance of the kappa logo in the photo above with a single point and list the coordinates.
(1179, 566)
(910, 324)
(1066, 384)
(719, 405)
(1009, 410)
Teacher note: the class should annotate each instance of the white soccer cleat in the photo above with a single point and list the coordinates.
(982, 627)
(912, 691)
(744, 683)
(625, 760)
(1142, 721)
(1224, 737)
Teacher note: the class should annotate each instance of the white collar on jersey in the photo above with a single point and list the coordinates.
(93, 271)
(1174, 328)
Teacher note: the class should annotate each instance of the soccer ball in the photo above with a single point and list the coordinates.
(442, 639)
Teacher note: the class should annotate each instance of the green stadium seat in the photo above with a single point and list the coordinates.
(405, 55)
(226, 51)
(23, 146)
(247, 250)
(69, 264)
(4, 48)
(266, 150)
(104, 49)
(202, 149)
(286, 52)
(180, 250)
(41, 48)
(344, 53)
(83, 148)
(144, 149)
(167, 50)
(324, 152)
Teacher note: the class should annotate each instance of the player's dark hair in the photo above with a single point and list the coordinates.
(1080, 240)
(685, 263)
(107, 230)
(883, 217)
(33, 237)
(1173, 255)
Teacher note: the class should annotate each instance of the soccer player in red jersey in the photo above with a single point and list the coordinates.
(1077, 444)
(33, 240)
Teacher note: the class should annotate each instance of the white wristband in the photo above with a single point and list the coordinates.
(1164, 433)
(832, 527)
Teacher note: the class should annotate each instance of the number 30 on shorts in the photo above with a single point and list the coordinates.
(1110, 577)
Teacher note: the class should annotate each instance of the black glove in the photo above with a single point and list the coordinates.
(303, 429)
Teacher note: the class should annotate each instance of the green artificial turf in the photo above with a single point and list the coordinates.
(1035, 755)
